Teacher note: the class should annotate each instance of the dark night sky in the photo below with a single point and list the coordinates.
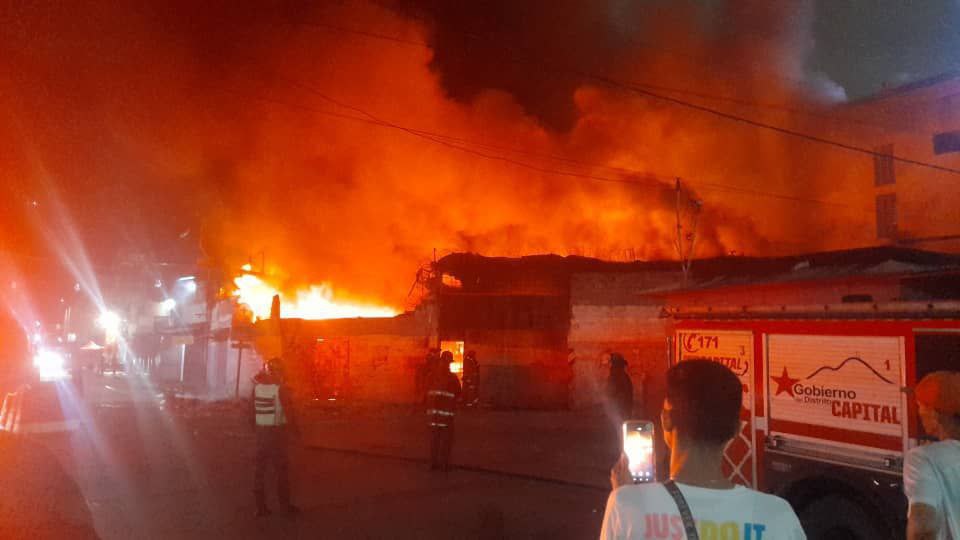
(863, 44)
(859, 44)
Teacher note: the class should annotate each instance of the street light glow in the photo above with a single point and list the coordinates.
(109, 321)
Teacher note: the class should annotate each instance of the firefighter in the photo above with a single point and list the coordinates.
(272, 417)
(421, 374)
(443, 389)
(471, 379)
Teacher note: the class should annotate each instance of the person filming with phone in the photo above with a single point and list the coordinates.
(701, 414)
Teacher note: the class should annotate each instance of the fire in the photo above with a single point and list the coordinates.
(315, 302)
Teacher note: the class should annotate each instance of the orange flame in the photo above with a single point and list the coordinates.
(314, 302)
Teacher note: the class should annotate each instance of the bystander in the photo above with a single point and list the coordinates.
(931, 473)
(701, 414)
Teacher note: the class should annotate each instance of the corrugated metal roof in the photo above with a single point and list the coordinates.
(718, 271)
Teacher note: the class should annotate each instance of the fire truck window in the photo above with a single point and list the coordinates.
(937, 352)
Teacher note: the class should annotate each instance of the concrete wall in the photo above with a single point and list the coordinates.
(525, 369)
(908, 120)
(383, 368)
(351, 359)
(610, 314)
(636, 332)
(521, 345)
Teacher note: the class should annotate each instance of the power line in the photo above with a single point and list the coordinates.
(463, 145)
(748, 70)
(640, 90)
(778, 129)
(445, 140)
(655, 87)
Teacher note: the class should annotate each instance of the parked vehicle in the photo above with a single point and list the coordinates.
(825, 421)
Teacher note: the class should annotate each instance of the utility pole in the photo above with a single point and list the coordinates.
(686, 244)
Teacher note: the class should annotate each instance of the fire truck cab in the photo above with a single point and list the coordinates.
(826, 422)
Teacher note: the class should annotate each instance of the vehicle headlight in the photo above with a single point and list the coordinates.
(50, 365)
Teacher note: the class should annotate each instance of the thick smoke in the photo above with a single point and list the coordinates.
(304, 133)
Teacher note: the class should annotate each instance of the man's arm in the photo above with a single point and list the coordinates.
(286, 402)
(923, 522)
(923, 493)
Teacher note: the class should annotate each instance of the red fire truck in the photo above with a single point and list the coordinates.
(825, 421)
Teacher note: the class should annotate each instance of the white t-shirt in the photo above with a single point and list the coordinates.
(931, 475)
(647, 511)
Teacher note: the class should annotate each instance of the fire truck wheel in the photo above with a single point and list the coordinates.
(838, 518)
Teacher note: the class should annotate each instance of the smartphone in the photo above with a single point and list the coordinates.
(638, 447)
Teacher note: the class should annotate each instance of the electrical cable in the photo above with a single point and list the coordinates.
(640, 90)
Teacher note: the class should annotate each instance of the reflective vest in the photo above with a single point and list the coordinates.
(440, 408)
(266, 404)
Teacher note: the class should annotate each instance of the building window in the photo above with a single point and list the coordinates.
(883, 165)
(887, 216)
(946, 142)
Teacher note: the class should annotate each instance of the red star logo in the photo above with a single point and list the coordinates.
(785, 383)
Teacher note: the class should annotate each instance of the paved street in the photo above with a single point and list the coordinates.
(576, 448)
(153, 469)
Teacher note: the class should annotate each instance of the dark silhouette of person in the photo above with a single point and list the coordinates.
(443, 389)
(471, 380)
(619, 388)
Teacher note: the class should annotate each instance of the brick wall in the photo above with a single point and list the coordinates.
(383, 368)
(525, 369)
(636, 332)
(362, 368)
(618, 289)
(609, 313)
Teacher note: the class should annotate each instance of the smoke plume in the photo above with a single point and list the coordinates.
(348, 141)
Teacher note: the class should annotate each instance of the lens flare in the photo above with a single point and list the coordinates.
(50, 365)
(167, 306)
(109, 321)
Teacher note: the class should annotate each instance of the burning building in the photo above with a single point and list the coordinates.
(543, 327)
(347, 140)
(354, 360)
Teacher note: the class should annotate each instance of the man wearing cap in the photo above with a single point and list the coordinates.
(931, 473)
